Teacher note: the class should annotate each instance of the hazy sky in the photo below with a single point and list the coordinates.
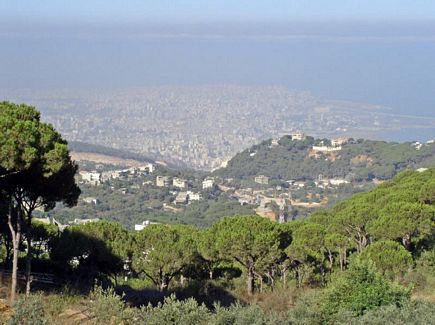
(203, 10)
(379, 52)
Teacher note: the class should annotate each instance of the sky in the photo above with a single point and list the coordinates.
(378, 52)
(214, 10)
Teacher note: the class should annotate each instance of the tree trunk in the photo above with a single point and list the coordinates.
(28, 257)
(341, 257)
(261, 283)
(284, 275)
(250, 283)
(16, 237)
(331, 259)
(406, 241)
(210, 274)
(163, 284)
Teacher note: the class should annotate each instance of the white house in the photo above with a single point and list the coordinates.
(141, 226)
(337, 182)
(93, 178)
(338, 141)
(298, 135)
(148, 168)
(162, 181)
(179, 182)
(207, 183)
(194, 196)
(261, 179)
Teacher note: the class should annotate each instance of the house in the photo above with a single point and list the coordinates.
(83, 221)
(144, 224)
(338, 141)
(193, 196)
(261, 179)
(179, 182)
(162, 181)
(274, 142)
(323, 148)
(147, 169)
(338, 181)
(181, 198)
(207, 183)
(298, 135)
(91, 200)
(123, 190)
(93, 178)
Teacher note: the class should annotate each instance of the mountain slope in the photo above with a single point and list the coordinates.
(358, 160)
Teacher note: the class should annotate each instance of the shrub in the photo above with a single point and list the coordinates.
(415, 313)
(29, 311)
(389, 257)
(238, 315)
(107, 307)
(174, 311)
(362, 288)
(427, 261)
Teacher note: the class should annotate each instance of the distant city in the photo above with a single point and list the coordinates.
(202, 127)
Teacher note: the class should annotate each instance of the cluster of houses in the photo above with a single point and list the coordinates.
(186, 196)
(97, 178)
(335, 145)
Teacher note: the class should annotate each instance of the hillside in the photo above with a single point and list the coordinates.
(357, 167)
(358, 160)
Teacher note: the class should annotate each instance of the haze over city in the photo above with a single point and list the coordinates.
(380, 55)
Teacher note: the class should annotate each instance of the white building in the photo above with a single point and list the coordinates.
(193, 196)
(83, 221)
(337, 182)
(90, 200)
(298, 135)
(207, 183)
(162, 181)
(181, 198)
(326, 148)
(93, 178)
(261, 179)
(148, 168)
(338, 141)
(179, 182)
(144, 224)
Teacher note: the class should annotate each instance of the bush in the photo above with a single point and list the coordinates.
(239, 315)
(107, 307)
(362, 288)
(415, 313)
(389, 257)
(174, 311)
(427, 261)
(29, 311)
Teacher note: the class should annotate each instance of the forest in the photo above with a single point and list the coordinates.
(359, 160)
(367, 259)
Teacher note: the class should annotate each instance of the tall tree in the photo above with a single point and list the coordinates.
(404, 221)
(307, 250)
(37, 170)
(389, 257)
(252, 241)
(162, 252)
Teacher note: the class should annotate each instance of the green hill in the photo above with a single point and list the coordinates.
(358, 160)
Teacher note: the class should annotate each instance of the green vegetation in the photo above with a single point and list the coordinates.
(359, 160)
(365, 259)
(36, 172)
(358, 274)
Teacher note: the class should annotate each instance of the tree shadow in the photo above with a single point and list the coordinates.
(205, 292)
